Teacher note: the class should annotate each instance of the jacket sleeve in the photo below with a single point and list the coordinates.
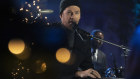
(87, 63)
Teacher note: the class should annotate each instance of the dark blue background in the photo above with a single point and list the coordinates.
(116, 18)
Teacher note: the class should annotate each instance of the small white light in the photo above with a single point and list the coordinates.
(48, 23)
(21, 9)
(29, 5)
(27, 10)
(37, 7)
(46, 17)
(26, 2)
(26, 18)
(33, 1)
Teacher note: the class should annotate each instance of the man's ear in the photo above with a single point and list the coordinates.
(60, 15)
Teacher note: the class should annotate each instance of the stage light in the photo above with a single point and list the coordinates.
(63, 55)
(16, 46)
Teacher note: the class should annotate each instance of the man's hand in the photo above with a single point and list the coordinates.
(88, 73)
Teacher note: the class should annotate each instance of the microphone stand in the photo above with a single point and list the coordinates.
(75, 26)
(125, 49)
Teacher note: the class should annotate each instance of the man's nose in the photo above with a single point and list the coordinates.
(72, 15)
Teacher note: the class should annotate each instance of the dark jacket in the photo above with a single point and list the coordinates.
(100, 64)
(80, 56)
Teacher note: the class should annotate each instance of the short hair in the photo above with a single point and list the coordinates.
(95, 31)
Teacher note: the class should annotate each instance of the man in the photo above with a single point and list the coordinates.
(78, 44)
(98, 57)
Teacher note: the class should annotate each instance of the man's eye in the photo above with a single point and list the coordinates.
(76, 12)
(69, 12)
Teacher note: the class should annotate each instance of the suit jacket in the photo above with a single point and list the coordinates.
(100, 63)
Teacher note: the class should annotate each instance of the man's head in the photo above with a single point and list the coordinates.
(94, 42)
(69, 12)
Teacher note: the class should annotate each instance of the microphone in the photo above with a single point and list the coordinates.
(75, 26)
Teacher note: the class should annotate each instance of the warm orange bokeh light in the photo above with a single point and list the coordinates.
(63, 55)
(40, 66)
(43, 67)
(16, 46)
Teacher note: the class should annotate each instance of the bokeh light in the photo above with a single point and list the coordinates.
(63, 55)
(40, 66)
(25, 54)
(16, 46)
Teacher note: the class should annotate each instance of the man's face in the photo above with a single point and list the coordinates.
(97, 43)
(69, 15)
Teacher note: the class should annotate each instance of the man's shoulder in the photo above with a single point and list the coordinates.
(101, 52)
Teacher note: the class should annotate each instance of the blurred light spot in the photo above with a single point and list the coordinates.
(63, 55)
(26, 19)
(39, 10)
(32, 16)
(21, 9)
(43, 67)
(33, 2)
(28, 70)
(37, 7)
(16, 46)
(33, 43)
(48, 23)
(26, 2)
(22, 68)
(27, 10)
(45, 17)
(29, 5)
(40, 66)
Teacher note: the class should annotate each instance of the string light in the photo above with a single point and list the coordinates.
(29, 5)
(21, 9)
(37, 7)
(45, 17)
(27, 10)
(20, 71)
(32, 12)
